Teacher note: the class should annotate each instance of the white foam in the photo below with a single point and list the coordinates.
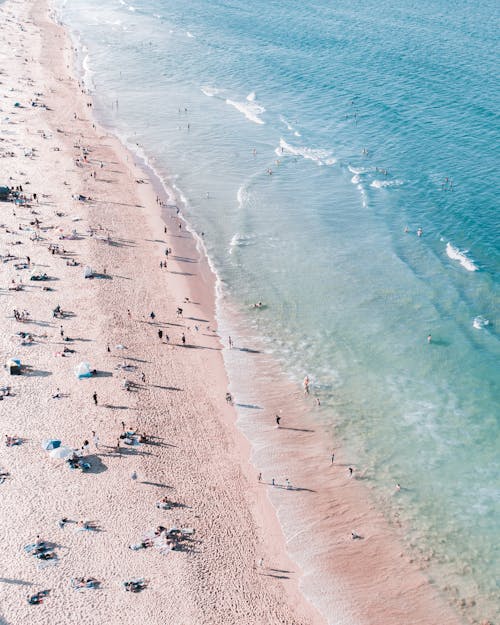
(289, 126)
(320, 157)
(240, 240)
(384, 184)
(241, 195)
(251, 96)
(455, 254)
(87, 73)
(250, 109)
(210, 91)
(355, 179)
(190, 35)
(480, 322)
(359, 170)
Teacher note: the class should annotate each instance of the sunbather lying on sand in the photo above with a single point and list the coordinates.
(86, 525)
(12, 440)
(84, 582)
(135, 585)
(38, 597)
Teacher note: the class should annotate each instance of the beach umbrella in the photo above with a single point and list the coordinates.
(83, 370)
(51, 443)
(62, 452)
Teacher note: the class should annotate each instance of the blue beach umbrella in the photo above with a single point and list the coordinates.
(51, 443)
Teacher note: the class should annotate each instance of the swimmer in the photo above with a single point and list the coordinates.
(406, 229)
(420, 232)
(429, 338)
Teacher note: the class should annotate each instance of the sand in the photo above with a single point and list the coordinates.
(236, 568)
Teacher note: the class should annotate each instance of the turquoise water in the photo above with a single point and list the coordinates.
(372, 119)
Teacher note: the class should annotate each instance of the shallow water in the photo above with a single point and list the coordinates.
(371, 118)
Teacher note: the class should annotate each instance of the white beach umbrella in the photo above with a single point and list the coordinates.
(61, 453)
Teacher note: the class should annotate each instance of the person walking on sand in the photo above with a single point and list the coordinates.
(230, 341)
(183, 339)
(94, 397)
(152, 315)
(332, 458)
(134, 476)
(278, 419)
(95, 440)
(160, 334)
(259, 477)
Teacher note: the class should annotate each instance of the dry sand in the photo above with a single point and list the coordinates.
(195, 456)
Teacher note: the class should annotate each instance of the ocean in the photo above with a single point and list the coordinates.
(341, 163)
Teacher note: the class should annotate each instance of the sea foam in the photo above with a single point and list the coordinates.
(480, 322)
(384, 184)
(250, 109)
(455, 254)
(320, 157)
(209, 91)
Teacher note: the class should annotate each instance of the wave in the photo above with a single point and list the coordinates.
(320, 157)
(480, 322)
(455, 254)
(355, 179)
(359, 170)
(210, 91)
(128, 6)
(241, 195)
(383, 184)
(289, 126)
(87, 72)
(190, 35)
(250, 109)
(240, 240)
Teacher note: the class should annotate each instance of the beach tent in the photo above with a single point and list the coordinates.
(14, 366)
(83, 370)
(51, 443)
(4, 193)
(87, 272)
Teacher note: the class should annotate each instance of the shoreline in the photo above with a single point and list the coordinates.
(424, 595)
(361, 505)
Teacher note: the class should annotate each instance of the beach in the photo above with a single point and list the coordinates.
(152, 421)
